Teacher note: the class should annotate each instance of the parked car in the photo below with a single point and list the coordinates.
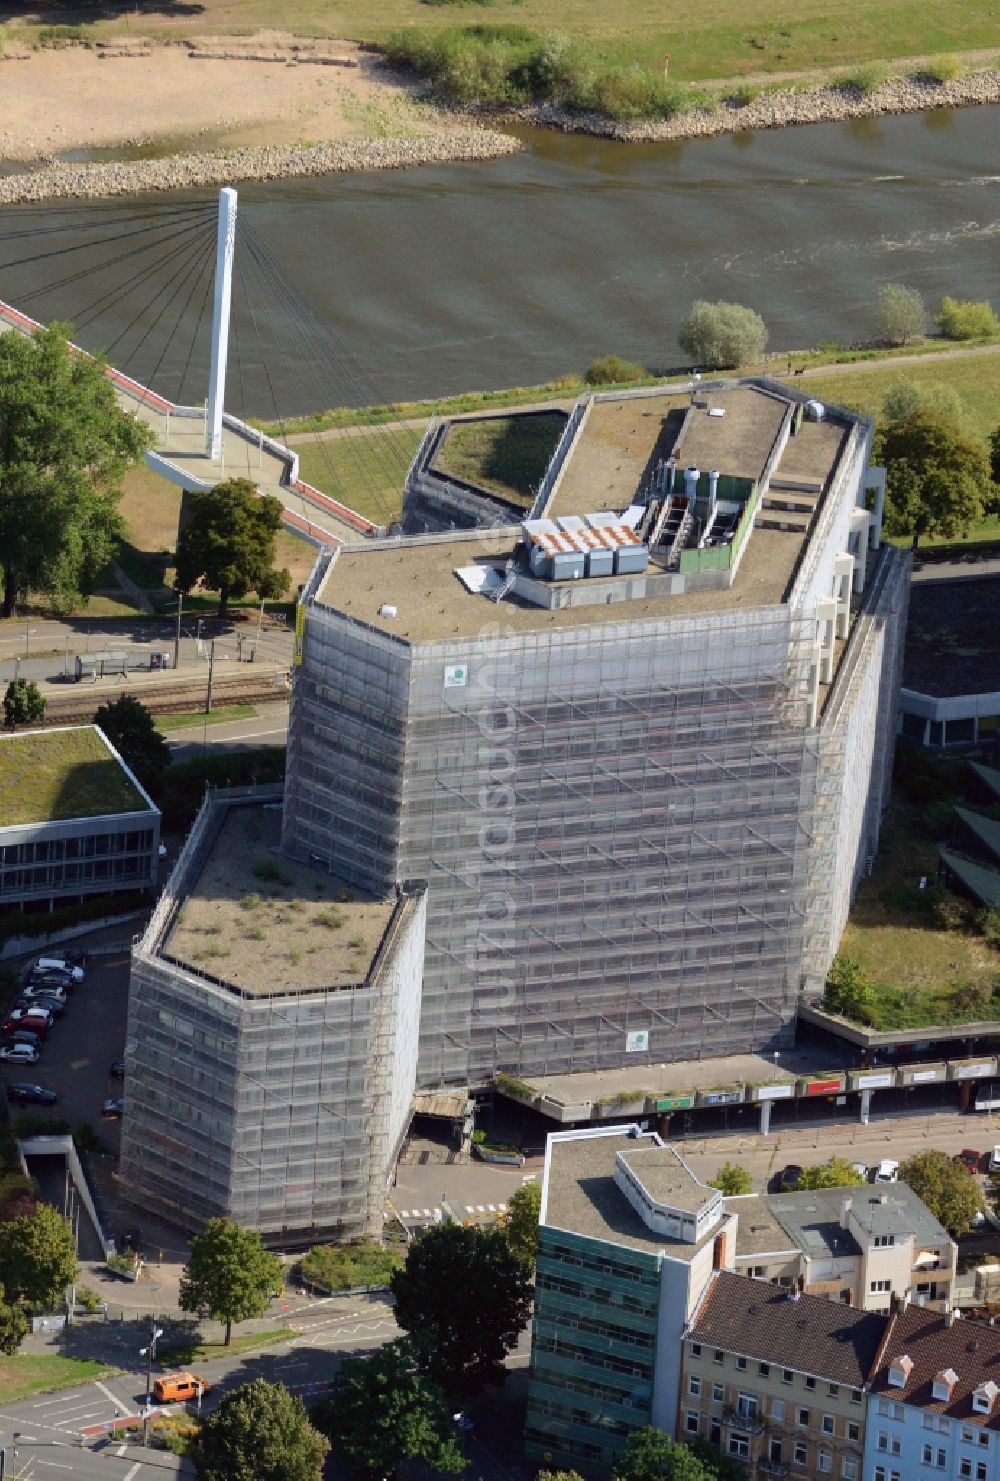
(114, 1106)
(22, 1036)
(74, 969)
(55, 1006)
(969, 1158)
(38, 1020)
(117, 1070)
(995, 1159)
(789, 1179)
(19, 1053)
(887, 1171)
(56, 981)
(37, 989)
(25, 1094)
(177, 1387)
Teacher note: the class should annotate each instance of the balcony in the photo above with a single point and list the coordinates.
(773, 1467)
(737, 1419)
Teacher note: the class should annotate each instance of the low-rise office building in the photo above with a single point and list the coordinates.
(76, 822)
(778, 1380)
(934, 1405)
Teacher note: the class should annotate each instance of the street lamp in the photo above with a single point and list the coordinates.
(149, 1353)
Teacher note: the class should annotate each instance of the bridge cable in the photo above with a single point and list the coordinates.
(120, 236)
(180, 233)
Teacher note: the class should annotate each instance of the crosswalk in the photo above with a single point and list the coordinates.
(435, 1215)
(65, 1415)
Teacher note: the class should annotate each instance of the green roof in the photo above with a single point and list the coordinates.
(985, 829)
(982, 882)
(988, 775)
(50, 775)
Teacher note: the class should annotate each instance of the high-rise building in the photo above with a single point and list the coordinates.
(641, 782)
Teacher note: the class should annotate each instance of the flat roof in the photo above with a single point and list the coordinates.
(758, 1231)
(266, 924)
(740, 440)
(951, 637)
(812, 1216)
(667, 1178)
(50, 776)
(582, 1197)
(618, 447)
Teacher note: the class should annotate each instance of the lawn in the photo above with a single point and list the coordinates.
(61, 774)
(732, 38)
(366, 471)
(974, 378)
(34, 1373)
(184, 1354)
(167, 723)
(505, 455)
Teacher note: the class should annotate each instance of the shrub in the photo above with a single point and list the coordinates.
(744, 95)
(959, 318)
(848, 990)
(722, 335)
(612, 370)
(250, 902)
(867, 79)
(951, 913)
(344, 1267)
(943, 68)
(35, 1123)
(900, 314)
(87, 1298)
(988, 922)
(269, 872)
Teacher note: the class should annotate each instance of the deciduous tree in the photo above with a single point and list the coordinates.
(228, 543)
(131, 729)
(229, 1274)
(836, 1173)
(23, 703)
(259, 1432)
(937, 481)
(14, 1325)
(963, 318)
(722, 335)
(523, 1208)
(732, 1180)
(900, 314)
(383, 1411)
(38, 1257)
(64, 447)
(651, 1455)
(465, 1291)
(949, 1191)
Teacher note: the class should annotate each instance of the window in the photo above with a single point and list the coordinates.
(965, 1467)
(691, 1421)
(833, 1389)
(825, 1460)
(764, 1369)
(827, 1424)
(778, 1410)
(694, 1386)
(884, 1241)
(882, 1441)
(853, 1431)
(774, 1451)
(718, 1392)
(810, 1381)
(717, 1355)
(857, 1395)
(849, 1469)
(747, 1406)
(803, 1418)
(968, 1437)
(941, 1460)
(741, 1364)
(981, 1470)
(876, 1286)
(739, 1445)
(883, 1407)
(983, 1439)
(799, 1457)
(786, 1375)
(696, 1349)
(758, 1272)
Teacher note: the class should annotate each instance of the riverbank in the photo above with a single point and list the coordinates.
(226, 167)
(781, 108)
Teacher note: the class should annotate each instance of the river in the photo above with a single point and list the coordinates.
(473, 276)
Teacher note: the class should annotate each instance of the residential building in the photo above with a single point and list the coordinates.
(934, 1405)
(74, 821)
(778, 1380)
(272, 1037)
(628, 1238)
(863, 1245)
(643, 781)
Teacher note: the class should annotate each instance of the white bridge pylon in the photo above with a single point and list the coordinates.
(225, 244)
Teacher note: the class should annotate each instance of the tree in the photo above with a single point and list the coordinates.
(468, 1294)
(651, 1455)
(228, 543)
(382, 1411)
(23, 703)
(132, 731)
(937, 481)
(993, 1190)
(848, 990)
(995, 455)
(259, 1432)
(38, 1257)
(14, 1326)
(64, 447)
(904, 397)
(962, 318)
(523, 1208)
(732, 1180)
(900, 314)
(229, 1275)
(837, 1173)
(714, 1461)
(721, 335)
(949, 1191)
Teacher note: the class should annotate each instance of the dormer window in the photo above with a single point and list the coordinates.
(943, 1384)
(900, 1370)
(985, 1397)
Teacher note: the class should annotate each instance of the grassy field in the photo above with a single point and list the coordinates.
(366, 472)
(36, 1373)
(168, 723)
(65, 774)
(973, 378)
(183, 1354)
(507, 455)
(733, 38)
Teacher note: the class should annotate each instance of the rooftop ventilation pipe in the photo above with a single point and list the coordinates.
(713, 489)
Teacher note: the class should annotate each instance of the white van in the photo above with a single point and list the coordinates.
(58, 964)
(887, 1171)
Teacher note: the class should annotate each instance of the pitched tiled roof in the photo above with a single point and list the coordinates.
(810, 1334)
(972, 1349)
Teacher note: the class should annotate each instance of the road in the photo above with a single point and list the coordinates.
(268, 727)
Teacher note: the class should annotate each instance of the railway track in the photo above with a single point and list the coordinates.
(177, 700)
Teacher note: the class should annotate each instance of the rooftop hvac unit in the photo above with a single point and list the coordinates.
(815, 411)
